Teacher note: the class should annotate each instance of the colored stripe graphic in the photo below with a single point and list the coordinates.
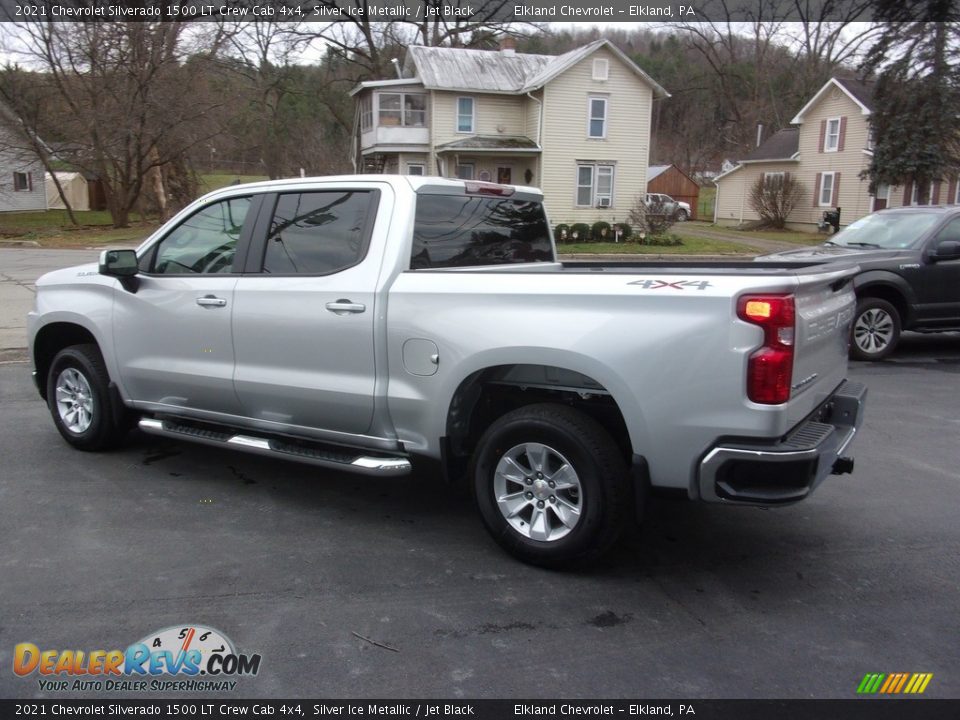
(894, 683)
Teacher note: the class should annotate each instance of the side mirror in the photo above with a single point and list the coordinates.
(947, 250)
(118, 263)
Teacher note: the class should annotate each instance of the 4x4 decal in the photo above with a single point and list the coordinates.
(675, 285)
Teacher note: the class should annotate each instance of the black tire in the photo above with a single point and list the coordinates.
(603, 494)
(103, 431)
(875, 331)
(682, 215)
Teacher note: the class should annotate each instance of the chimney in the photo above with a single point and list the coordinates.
(508, 45)
(759, 133)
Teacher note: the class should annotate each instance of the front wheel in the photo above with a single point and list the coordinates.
(876, 330)
(79, 399)
(551, 485)
(682, 215)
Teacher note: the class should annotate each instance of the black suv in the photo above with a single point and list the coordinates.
(909, 276)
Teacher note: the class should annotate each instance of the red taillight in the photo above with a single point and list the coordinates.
(770, 369)
(485, 188)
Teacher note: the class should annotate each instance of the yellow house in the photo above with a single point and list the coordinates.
(827, 148)
(575, 125)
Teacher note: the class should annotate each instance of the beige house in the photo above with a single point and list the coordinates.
(827, 148)
(575, 125)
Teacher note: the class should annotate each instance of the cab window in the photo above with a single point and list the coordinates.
(203, 244)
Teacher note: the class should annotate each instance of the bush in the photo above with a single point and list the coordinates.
(774, 198)
(625, 231)
(601, 232)
(580, 232)
(651, 219)
(561, 233)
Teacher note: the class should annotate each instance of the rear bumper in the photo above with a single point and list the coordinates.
(753, 473)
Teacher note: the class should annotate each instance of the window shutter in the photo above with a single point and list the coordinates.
(906, 193)
(935, 197)
(843, 133)
(952, 190)
(823, 135)
(836, 189)
(30, 181)
(816, 188)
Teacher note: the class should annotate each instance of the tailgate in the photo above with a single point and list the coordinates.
(825, 304)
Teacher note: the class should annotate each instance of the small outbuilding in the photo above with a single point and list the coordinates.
(74, 186)
(671, 180)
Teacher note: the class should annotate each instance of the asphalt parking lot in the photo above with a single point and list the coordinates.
(290, 562)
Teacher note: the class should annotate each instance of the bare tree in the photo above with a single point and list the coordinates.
(774, 198)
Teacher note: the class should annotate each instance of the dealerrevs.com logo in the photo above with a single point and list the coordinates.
(181, 658)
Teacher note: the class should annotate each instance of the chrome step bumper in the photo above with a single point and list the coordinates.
(338, 459)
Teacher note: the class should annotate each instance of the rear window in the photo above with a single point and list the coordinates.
(464, 230)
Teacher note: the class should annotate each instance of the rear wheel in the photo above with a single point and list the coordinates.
(876, 330)
(551, 485)
(78, 396)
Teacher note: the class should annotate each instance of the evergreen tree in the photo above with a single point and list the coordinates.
(916, 100)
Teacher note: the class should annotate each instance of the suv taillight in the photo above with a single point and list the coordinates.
(770, 368)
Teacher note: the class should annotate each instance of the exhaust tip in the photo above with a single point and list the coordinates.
(842, 466)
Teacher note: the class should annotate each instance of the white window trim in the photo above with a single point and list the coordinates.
(594, 177)
(26, 181)
(915, 194)
(956, 198)
(826, 135)
(606, 115)
(422, 166)
(473, 115)
(833, 180)
(471, 165)
(769, 175)
(601, 69)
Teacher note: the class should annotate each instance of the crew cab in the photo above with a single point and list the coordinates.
(909, 273)
(364, 323)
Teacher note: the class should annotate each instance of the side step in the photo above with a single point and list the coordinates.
(314, 454)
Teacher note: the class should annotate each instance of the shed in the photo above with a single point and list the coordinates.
(671, 180)
(74, 187)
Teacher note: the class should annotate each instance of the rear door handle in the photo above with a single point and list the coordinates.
(211, 301)
(342, 307)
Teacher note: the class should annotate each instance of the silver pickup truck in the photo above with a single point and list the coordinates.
(361, 323)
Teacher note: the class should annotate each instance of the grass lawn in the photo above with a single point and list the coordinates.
(690, 231)
(705, 202)
(691, 246)
(52, 228)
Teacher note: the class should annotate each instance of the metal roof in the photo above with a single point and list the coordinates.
(490, 142)
(655, 170)
(496, 71)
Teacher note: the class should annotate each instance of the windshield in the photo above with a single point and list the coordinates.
(891, 231)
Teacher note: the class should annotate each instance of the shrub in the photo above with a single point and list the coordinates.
(773, 198)
(651, 219)
(561, 233)
(625, 231)
(580, 232)
(601, 232)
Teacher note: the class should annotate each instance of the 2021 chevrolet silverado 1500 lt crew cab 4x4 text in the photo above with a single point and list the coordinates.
(909, 278)
(361, 322)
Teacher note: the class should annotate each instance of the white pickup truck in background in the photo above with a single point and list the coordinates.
(362, 322)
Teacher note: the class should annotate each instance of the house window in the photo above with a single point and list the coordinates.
(597, 124)
(366, 113)
(504, 175)
(465, 115)
(825, 196)
(956, 199)
(415, 168)
(916, 195)
(594, 185)
(831, 140)
(871, 139)
(408, 110)
(21, 181)
(465, 171)
(773, 179)
(601, 69)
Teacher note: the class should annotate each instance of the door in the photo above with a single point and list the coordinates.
(173, 336)
(938, 284)
(303, 323)
(882, 197)
(504, 175)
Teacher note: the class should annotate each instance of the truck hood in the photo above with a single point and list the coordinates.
(827, 253)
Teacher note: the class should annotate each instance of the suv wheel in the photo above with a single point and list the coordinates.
(551, 485)
(682, 215)
(79, 399)
(876, 330)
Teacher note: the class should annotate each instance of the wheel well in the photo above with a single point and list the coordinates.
(52, 339)
(489, 394)
(892, 295)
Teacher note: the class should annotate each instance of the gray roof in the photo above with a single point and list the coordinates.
(782, 145)
(490, 142)
(862, 91)
(655, 170)
(497, 71)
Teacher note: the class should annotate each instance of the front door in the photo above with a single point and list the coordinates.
(304, 321)
(504, 175)
(173, 336)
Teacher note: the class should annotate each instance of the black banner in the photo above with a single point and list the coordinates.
(208, 709)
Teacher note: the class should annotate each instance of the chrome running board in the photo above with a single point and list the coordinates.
(346, 459)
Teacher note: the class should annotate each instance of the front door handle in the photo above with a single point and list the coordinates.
(211, 301)
(342, 307)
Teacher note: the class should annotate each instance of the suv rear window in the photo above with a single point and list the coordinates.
(465, 230)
